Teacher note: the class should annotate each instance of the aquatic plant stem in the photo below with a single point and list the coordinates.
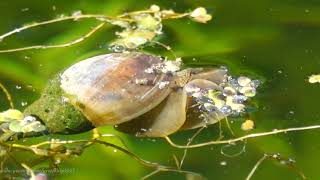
(255, 167)
(37, 150)
(76, 41)
(77, 17)
(125, 17)
(249, 136)
(186, 150)
(289, 163)
(8, 95)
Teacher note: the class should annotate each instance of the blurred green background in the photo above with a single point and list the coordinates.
(275, 41)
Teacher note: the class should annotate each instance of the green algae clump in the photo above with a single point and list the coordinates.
(58, 115)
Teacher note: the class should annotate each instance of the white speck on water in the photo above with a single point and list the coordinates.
(61, 16)
(223, 163)
(26, 57)
(24, 103)
(24, 9)
(18, 87)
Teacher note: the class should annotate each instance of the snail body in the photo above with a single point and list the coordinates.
(130, 90)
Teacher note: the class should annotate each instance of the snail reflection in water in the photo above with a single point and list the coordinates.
(138, 93)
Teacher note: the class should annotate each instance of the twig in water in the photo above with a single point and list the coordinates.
(60, 152)
(6, 92)
(277, 157)
(255, 167)
(189, 142)
(76, 41)
(249, 136)
(86, 16)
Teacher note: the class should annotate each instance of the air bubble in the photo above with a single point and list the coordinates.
(243, 81)
(117, 48)
(239, 99)
(226, 110)
(255, 83)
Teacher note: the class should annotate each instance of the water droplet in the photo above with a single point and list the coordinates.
(239, 99)
(117, 48)
(233, 82)
(18, 87)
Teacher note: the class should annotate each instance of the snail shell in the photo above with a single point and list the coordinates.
(106, 90)
(130, 90)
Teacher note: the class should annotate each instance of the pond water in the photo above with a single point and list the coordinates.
(274, 41)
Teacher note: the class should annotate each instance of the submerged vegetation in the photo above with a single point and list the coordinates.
(213, 101)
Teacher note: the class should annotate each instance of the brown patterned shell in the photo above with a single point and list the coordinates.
(105, 87)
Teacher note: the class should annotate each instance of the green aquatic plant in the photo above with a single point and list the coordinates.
(139, 27)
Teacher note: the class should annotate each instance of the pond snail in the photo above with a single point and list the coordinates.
(137, 92)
